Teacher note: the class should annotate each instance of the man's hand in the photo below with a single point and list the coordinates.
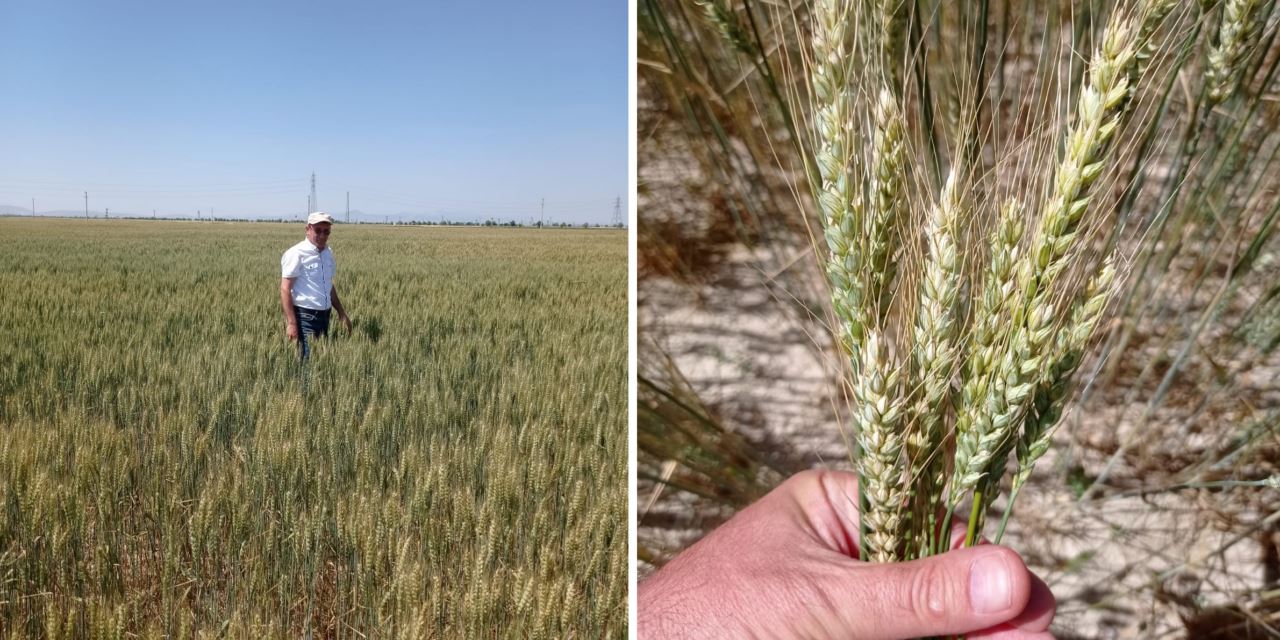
(291, 330)
(346, 322)
(787, 567)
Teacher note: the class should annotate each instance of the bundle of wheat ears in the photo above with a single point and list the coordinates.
(965, 312)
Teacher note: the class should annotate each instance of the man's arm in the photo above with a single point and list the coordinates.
(337, 306)
(286, 302)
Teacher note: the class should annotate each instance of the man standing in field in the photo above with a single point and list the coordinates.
(306, 284)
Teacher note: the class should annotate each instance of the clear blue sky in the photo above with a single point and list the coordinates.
(433, 108)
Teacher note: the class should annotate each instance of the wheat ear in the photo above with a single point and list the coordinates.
(1241, 25)
(985, 348)
(1155, 13)
(984, 428)
(720, 15)
(1052, 390)
(934, 352)
(991, 315)
(878, 392)
(890, 20)
(838, 196)
(889, 187)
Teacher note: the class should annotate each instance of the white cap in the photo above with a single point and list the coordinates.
(319, 216)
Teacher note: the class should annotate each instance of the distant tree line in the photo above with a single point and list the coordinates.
(422, 223)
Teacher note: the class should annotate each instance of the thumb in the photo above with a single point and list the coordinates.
(954, 593)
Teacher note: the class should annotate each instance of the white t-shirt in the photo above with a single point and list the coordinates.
(313, 270)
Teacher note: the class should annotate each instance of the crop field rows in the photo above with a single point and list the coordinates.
(454, 468)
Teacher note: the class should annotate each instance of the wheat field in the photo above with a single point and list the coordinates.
(454, 468)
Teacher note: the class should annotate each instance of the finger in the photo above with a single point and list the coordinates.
(1041, 607)
(953, 593)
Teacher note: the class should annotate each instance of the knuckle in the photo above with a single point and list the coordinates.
(807, 476)
(927, 592)
(802, 483)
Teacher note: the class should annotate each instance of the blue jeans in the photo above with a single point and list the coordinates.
(310, 323)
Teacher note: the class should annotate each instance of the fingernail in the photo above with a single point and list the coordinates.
(989, 588)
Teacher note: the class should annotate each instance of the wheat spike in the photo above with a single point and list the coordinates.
(879, 414)
(1053, 387)
(721, 16)
(935, 338)
(838, 196)
(984, 428)
(1241, 25)
(882, 221)
(1152, 16)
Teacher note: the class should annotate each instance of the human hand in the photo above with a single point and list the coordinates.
(346, 322)
(787, 567)
(291, 331)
